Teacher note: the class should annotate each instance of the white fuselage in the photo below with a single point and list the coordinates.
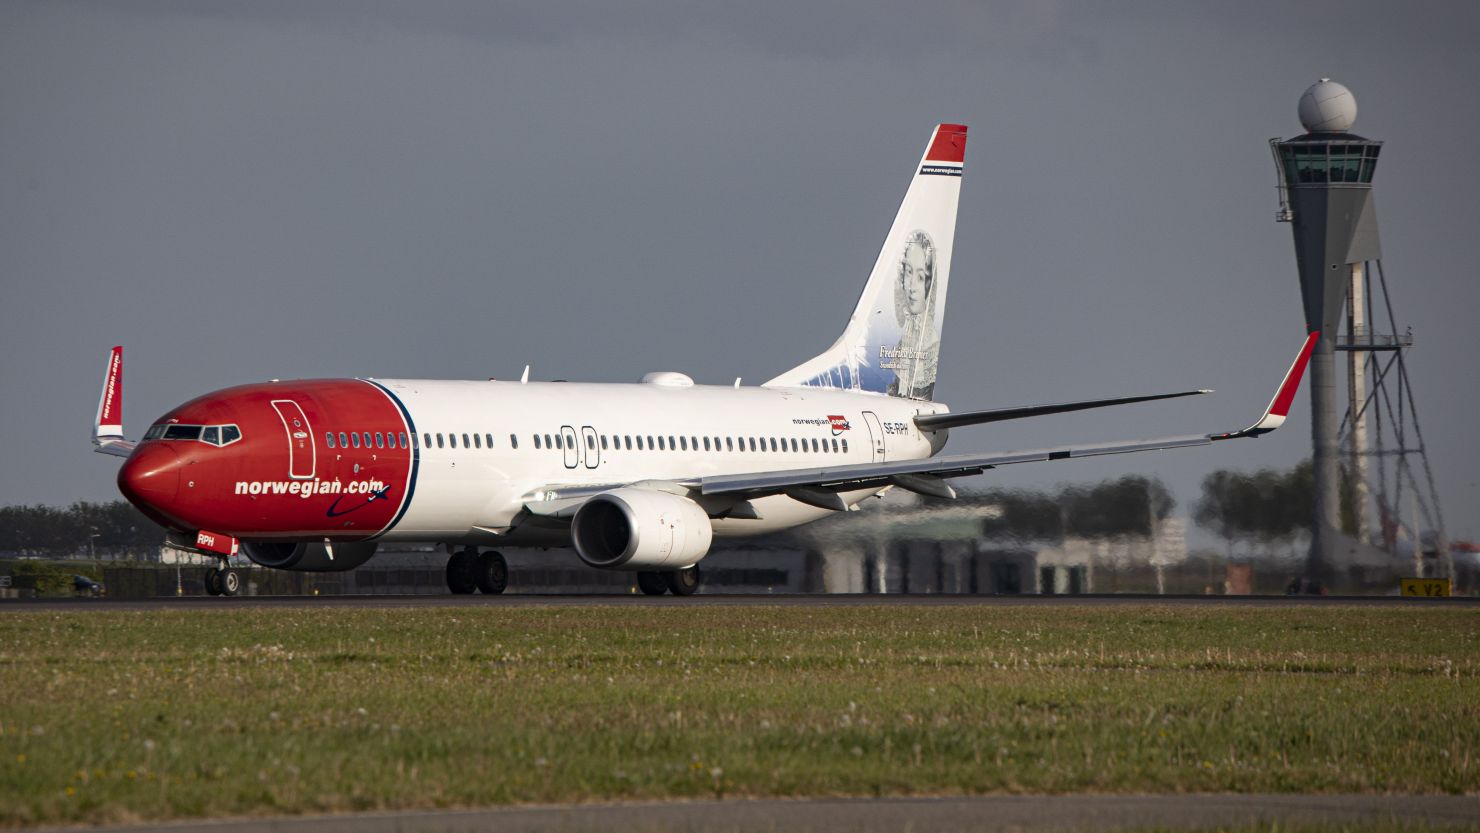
(552, 435)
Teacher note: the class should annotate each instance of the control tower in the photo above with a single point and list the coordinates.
(1327, 177)
(1326, 196)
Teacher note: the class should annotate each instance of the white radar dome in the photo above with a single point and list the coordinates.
(1328, 107)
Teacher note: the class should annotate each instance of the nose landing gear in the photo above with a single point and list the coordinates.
(223, 581)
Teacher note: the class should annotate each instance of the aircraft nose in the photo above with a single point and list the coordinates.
(151, 476)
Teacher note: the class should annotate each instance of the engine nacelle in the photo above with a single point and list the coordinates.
(638, 529)
(309, 557)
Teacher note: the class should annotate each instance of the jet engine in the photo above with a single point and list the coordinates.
(638, 529)
(309, 557)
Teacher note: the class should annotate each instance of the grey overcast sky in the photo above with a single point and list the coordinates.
(238, 191)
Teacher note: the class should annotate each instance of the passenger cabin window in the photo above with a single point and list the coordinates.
(477, 441)
(627, 441)
(343, 440)
(466, 444)
(367, 439)
(661, 447)
(845, 446)
(488, 441)
(603, 442)
(536, 440)
(684, 441)
(452, 440)
(403, 439)
(329, 439)
(439, 440)
(354, 440)
(548, 444)
(729, 444)
(514, 441)
(590, 443)
(379, 440)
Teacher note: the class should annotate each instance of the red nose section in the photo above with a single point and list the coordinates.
(150, 477)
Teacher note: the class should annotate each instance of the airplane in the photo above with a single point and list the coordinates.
(313, 475)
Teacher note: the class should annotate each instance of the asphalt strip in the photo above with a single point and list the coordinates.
(936, 815)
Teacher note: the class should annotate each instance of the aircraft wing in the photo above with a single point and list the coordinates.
(114, 447)
(819, 486)
(956, 419)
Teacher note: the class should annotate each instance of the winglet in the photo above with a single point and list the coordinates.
(108, 425)
(1279, 407)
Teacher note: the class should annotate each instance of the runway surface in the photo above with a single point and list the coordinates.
(938, 815)
(812, 600)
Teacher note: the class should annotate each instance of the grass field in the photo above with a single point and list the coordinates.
(114, 716)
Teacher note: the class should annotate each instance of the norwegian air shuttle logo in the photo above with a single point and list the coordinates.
(839, 423)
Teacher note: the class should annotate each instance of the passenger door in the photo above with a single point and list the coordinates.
(302, 453)
(876, 435)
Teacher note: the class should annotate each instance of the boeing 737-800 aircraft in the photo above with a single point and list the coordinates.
(313, 475)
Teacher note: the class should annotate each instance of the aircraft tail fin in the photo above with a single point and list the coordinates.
(892, 342)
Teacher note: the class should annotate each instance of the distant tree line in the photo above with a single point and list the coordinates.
(1113, 508)
(114, 530)
(1267, 506)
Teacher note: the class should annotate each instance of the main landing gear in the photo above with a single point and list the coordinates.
(469, 571)
(678, 582)
(223, 581)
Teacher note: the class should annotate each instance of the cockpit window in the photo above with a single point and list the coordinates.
(182, 432)
(213, 434)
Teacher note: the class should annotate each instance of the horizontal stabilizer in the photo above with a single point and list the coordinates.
(937, 422)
